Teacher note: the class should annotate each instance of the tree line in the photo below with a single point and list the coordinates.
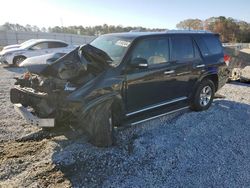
(94, 30)
(230, 30)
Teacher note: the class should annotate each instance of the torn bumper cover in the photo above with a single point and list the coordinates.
(33, 120)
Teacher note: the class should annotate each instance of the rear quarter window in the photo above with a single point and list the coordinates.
(209, 45)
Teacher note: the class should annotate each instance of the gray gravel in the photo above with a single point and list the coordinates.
(186, 149)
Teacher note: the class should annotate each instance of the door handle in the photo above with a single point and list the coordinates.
(200, 66)
(169, 72)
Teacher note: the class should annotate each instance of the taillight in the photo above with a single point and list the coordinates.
(227, 59)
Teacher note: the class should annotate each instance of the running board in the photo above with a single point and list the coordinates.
(157, 116)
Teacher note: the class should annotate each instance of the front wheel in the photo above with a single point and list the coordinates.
(98, 123)
(18, 60)
(203, 96)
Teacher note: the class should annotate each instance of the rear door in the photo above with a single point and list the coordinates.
(184, 55)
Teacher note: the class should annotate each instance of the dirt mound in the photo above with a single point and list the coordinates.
(19, 160)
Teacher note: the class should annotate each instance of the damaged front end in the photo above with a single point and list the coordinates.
(40, 95)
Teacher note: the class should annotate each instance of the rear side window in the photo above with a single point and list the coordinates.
(57, 44)
(209, 45)
(154, 50)
(181, 48)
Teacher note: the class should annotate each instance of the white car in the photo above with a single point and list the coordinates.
(17, 45)
(14, 55)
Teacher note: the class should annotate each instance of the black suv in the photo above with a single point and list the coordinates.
(123, 78)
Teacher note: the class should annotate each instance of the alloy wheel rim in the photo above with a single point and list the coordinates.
(19, 61)
(205, 96)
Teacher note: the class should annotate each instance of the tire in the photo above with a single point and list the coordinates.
(203, 96)
(98, 124)
(18, 60)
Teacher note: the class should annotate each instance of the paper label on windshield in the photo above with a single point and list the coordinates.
(122, 43)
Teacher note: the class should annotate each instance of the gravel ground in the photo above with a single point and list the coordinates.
(186, 149)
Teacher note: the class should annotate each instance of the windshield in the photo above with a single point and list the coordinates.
(27, 42)
(115, 47)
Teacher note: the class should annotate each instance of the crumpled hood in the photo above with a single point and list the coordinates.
(71, 65)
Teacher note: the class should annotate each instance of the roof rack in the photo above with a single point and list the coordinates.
(188, 31)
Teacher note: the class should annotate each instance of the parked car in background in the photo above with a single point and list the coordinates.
(14, 55)
(124, 78)
(17, 45)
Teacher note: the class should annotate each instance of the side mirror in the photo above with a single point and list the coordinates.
(140, 63)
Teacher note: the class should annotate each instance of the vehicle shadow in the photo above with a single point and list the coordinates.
(137, 150)
(15, 69)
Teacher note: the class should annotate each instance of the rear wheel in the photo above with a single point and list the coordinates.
(203, 96)
(18, 60)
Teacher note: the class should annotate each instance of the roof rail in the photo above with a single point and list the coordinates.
(188, 31)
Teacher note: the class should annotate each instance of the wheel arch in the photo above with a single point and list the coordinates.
(17, 56)
(113, 99)
(213, 77)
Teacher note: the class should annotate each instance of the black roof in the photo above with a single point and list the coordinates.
(133, 35)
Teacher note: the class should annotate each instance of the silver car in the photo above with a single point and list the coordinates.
(15, 54)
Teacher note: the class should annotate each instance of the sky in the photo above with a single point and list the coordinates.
(146, 13)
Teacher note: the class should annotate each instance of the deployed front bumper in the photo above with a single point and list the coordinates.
(33, 120)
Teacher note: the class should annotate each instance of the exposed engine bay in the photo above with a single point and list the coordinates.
(51, 78)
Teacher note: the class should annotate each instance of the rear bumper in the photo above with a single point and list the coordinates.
(34, 120)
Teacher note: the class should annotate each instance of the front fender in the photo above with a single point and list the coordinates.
(107, 98)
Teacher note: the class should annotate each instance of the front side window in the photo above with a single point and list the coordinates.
(155, 51)
(115, 47)
(40, 46)
(181, 48)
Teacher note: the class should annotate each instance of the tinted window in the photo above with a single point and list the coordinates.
(39, 46)
(155, 50)
(182, 48)
(202, 46)
(213, 44)
(57, 44)
(209, 45)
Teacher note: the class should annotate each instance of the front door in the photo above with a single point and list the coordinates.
(37, 50)
(152, 85)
